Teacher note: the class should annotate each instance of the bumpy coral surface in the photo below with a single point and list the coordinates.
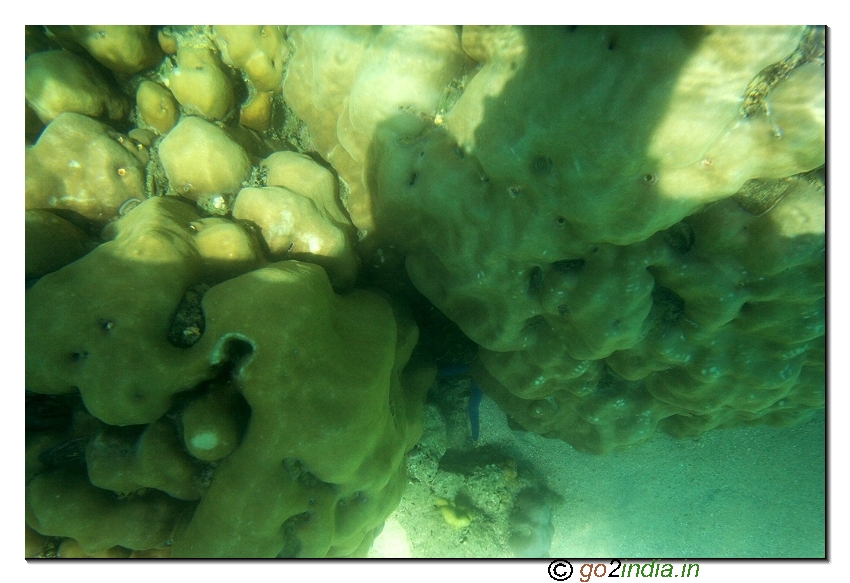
(307, 416)
(607, 213)
(629, 247)
(626, 223)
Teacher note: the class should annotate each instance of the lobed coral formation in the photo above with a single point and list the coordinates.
(617, 264)
(296, 391)
(627, 222)
(84, 166)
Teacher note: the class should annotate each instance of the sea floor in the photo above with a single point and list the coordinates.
(742, 492)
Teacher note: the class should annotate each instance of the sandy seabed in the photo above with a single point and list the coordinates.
(742, 492)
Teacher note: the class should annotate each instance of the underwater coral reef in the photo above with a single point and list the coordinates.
(251, 250)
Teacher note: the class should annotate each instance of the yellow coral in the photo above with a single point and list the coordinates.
(454, 515)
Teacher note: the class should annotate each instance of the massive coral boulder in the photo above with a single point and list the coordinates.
(345, 81)
(100, 325)
(60, 81)
(320, 464)
(260, 52)
(616, 216)
(199, 158)
(157, 107)
(200, 83)
(263, 416)
(125, 49)
(81, 165)
(300, 216)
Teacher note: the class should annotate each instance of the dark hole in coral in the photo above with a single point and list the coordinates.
(187, 325)
(412, 180)
(459, 152)
(611, 385)
(441, 336)
(680, 237)
(542, 164)
(535, 280)
(47, 412)
(235, 351)
(667, 306)
(568, 265)
(534, 323)
(299, 473)
(71, 452)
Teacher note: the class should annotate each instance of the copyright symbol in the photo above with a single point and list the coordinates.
(560, 570)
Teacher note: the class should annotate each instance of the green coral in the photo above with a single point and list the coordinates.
(308, 381)
(625, 224)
